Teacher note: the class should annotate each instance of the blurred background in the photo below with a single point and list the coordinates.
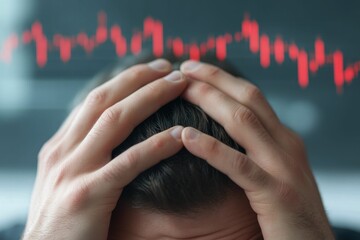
(304, 55)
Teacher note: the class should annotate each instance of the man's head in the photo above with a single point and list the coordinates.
(182, 197)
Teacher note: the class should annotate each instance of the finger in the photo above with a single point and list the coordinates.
(112, 92)
(239, 89)
(238, 121)
(125, 167)
(236, 165)
(117, 122)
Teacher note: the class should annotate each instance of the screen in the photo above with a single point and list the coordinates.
(304, 55)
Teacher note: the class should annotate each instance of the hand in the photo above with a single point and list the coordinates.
(77, 186)
(274, 172)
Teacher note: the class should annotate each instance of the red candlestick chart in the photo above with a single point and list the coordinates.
(153, 30)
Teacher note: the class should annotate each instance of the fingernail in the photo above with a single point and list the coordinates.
(176, 132)
(174, 76)
(161, 65)
(191, 133)
(190, 66)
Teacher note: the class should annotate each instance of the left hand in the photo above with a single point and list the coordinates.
(78, 184)
(274, 172)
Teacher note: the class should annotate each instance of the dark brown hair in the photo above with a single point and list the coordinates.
(182, 183)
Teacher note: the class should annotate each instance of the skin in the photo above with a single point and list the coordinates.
(231, 219)
(77, 186)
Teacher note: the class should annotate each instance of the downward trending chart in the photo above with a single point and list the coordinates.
(153, 30)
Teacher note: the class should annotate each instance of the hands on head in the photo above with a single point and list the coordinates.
(274, 172)
(78, 187)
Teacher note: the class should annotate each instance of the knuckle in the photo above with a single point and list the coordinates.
(157, 143)
(135, 72)
(244, 115)
(212, 71)
(44, 151)
(110, 116)
(54, 155)
(50, 158)
(109, 176)
(96, 97)
(253, 93)
(240, 164)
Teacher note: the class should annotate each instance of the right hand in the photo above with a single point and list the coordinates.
(77, 186)
(274, 172)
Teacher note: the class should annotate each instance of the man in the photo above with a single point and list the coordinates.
(81, 179)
